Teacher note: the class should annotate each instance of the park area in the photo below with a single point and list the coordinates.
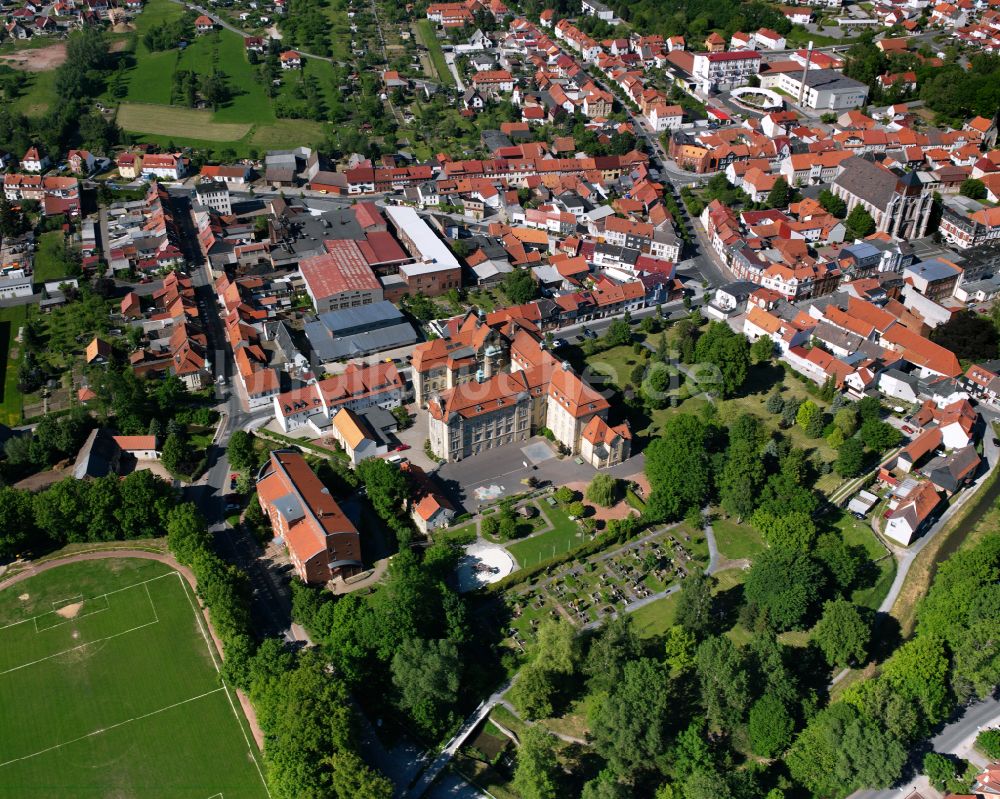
(110, 687)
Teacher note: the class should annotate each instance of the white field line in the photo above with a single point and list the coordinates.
(76, 648)
(212, 654)
(64, 622)
(98, 596)
(111, 727)
(58, 603)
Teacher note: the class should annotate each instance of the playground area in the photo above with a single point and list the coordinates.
(481, 565)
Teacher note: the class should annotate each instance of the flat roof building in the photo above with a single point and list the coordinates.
(340, 278)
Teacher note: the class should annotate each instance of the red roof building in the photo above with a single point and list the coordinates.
(322, 542)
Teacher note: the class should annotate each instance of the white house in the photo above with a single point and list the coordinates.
(34, 161)
(356, 437)
(767, 39)
(912, 513)
(665, 117)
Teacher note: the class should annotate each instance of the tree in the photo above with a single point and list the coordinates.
(784, 584)
(761, 351)
(728, 353)
(537, 768)
(187, 532)
(426, 673)
(520, 286)
(775, 404)
(618, 334)
(630, 724)
(973, 188)
(725, 685)
(174, 453)
(918, 671)
(850, 458)
(969, 335)
(859, 223)
(558, 647)
(386, 485)
(846, 420)
(694, 605)
(879, 436)
(17, 521)
(352, 777)
(240, 451)
(843, 634)
(770, 726)
(603, 490)
(677, 466)
(988, 742)
(534, 691)
(794, 530)
(840, 751)
(807, 411)
(679, 649)
(940, 769)
(832, 203)
(869, 408)
(614, 646)
(564, 495)
(743, 474)
(779, 195)
(605, 786)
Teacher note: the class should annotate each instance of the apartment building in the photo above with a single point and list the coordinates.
(322, 543)
(571, 405)
(357, 388)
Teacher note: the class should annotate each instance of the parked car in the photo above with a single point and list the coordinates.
(232, 481)
(401, 448)
(907, 429)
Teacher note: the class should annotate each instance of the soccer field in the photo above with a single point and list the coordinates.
(109, 687)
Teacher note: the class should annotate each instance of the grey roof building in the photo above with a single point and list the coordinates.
(900, 204)
(355, 332)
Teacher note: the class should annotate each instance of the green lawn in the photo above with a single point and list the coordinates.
(117, 695)
(425, 28)
(736, 541)
(50, 263)
(11, 401)
(37, 93)
(563, 536)
(657, 617)
(859, 533)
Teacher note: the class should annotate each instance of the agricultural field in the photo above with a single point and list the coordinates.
(178, 123)
(110, 687)
(247, 120)
(425, 31)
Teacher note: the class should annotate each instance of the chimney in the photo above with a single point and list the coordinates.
(805, 71)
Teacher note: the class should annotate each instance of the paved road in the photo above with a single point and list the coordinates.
(449, 59)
